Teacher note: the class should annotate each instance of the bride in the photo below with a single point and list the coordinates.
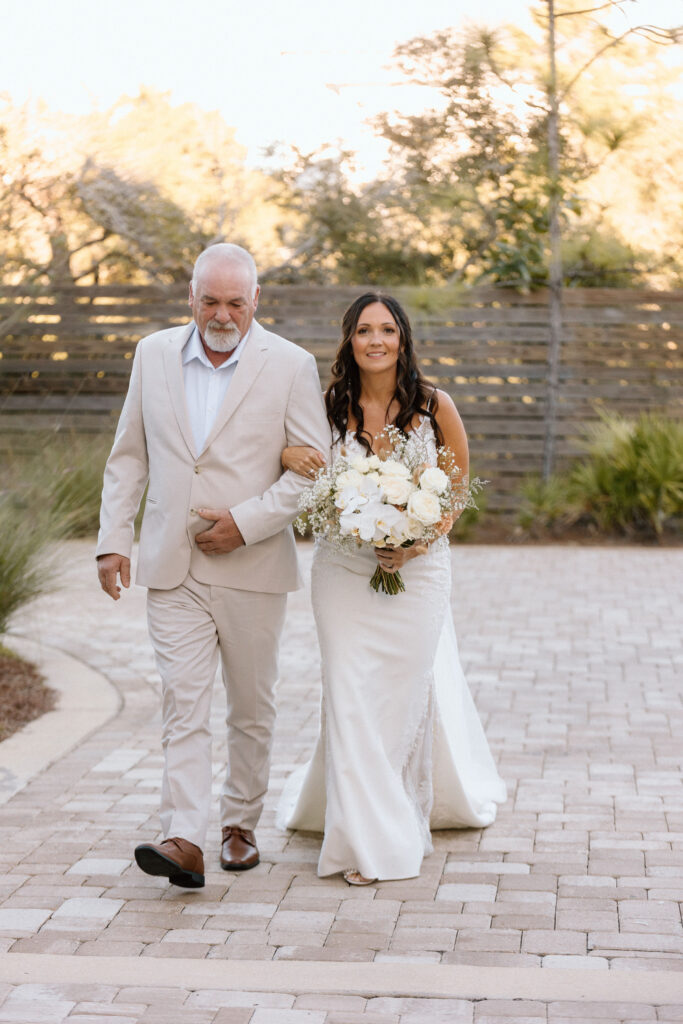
(401, 747)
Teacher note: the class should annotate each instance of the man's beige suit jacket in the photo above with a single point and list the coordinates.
(273, 400)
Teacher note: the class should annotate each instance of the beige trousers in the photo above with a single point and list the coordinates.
(190, 627)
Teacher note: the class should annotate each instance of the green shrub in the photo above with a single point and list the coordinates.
(49, 493)
(630, 481)
(632, 478)
(547, 505)
(26, 570)
(62, 477)
(75, 486)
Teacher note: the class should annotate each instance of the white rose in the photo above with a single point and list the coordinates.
(374, 462)
(425, 507)
(396, 489)
(393, 468)
(415, 529)
(435, 480)
(360, 464)
(349, 478)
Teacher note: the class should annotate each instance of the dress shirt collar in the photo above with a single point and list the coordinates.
(193, 349)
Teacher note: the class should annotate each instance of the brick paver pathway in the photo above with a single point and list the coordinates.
(571, 654)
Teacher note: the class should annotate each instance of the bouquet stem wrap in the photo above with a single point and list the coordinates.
(387, 582)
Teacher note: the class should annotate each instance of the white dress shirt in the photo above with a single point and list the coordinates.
(205, 386)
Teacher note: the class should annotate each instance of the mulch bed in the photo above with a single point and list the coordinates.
(23, 693)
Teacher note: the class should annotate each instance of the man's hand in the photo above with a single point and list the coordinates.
(108, 568)
(223, 536)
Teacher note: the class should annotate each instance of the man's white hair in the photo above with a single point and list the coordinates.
(226, 251)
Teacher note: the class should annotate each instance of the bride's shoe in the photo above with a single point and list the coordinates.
(354, 877)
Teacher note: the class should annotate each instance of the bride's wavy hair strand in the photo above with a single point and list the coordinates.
(414, 394)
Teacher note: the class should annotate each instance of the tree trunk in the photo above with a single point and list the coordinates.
(555, 274)
(59, 268)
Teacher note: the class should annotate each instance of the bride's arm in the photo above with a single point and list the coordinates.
(302, 460)
(455, 440)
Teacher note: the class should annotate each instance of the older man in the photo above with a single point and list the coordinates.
(209, 409)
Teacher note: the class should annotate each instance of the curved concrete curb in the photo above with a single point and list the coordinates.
(86, 701)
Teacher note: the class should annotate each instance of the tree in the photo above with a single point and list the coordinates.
(68, 220)
(338, 233)
(192, 158)
(506, 180)
(469, 166)
(43, 228)
(132, 193)
(556, 95)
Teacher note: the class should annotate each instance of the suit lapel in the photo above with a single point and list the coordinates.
(249, 365)
(176, 385)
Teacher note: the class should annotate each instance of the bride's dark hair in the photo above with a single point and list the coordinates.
(415, 395)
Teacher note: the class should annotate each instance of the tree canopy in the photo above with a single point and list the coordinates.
(465, 193)
(130, 194)
(134, 192)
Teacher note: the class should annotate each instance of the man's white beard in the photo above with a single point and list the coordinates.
(221, 339)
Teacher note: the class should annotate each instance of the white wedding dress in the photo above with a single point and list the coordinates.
(401, 747)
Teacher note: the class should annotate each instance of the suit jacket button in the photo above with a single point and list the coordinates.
(196, 469)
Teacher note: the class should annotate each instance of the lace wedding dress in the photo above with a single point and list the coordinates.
(401, 747)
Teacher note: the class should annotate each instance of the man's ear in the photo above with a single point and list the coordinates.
(190, 297)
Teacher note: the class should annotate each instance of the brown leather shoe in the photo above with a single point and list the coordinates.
(176, 859)
(239, 850)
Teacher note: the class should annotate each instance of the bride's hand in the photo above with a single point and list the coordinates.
(392, 559)
(303, 460)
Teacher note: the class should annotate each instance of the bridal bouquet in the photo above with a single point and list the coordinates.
(393, 500)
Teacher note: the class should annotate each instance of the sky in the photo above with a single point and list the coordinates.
(304, 72)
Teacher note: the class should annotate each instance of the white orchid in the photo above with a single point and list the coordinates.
(349, 499)
(369, 487)
(394, 524)
(362, 521)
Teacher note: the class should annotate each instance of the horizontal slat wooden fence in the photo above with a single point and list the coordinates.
(65, 360)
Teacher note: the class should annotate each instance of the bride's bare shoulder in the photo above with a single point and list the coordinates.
(445, 410)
